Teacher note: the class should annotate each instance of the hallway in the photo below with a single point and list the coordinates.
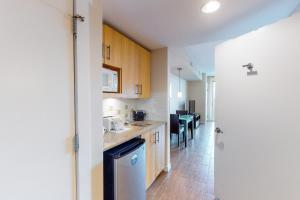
(192, 173)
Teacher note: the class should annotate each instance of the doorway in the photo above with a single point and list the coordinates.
(213, 102)
(211, 96)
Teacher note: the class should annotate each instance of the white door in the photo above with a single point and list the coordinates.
(258, 155)
(36, 109)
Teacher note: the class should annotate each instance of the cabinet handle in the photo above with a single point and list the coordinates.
(109, 48)
(103, 51)
(154, 138)
(137, 89)
(157, 136)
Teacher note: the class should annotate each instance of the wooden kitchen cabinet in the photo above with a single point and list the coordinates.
(130, 70)
(155, 154)
(144, 77)
(160, 150)
(134, 60)
(150, 158)
(113, 47)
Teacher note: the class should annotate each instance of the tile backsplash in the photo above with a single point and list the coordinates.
(119, 107)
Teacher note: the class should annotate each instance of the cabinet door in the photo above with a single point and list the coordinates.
(160, 150)
(113, 46)
(144, 82)
(130, 70)
(150, 158)
(134, 60)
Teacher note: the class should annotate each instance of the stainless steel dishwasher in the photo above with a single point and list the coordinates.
(124, 171)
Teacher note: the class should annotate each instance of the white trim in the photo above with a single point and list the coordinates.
(167, 168)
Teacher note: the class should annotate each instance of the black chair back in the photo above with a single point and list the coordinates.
(182, 112)
(174, 124)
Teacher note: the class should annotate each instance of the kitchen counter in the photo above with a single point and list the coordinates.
(112, 139)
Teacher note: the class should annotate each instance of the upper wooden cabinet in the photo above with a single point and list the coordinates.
(130, 70)
(134, 60)
(144, 82)
(113, 47)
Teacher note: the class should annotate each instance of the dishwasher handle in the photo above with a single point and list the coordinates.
(129, 149)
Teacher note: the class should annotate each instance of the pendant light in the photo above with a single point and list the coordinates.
(179, 94)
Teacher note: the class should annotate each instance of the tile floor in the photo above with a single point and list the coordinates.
(192, 174)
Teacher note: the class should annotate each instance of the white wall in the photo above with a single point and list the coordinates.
(36, 86)
(119, 107)
(197, 90)
(177, 103)
(257, 156)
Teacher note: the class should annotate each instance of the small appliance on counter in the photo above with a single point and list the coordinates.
(111, 123)
(138, 115)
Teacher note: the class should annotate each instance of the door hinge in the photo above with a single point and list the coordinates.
(76, 143)
(75, 19)
(79, 17)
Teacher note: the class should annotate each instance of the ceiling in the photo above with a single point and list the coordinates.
(203, 56)
(178, 58)
(181, 24)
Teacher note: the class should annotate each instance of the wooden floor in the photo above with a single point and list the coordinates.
(192, 174)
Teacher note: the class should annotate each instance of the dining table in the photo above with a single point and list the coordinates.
(186, 120)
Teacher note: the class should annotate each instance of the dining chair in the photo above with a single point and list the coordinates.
(176, 127)
(182, 112)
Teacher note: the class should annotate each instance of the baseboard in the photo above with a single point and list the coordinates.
(167, 168)
(210, 120)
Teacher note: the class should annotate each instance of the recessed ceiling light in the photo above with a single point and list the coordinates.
(211, 6)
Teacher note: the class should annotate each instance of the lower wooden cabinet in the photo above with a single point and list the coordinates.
(150, 158)
(160, 150)
(155, 154)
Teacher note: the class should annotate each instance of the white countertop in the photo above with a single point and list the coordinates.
(112, 139)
